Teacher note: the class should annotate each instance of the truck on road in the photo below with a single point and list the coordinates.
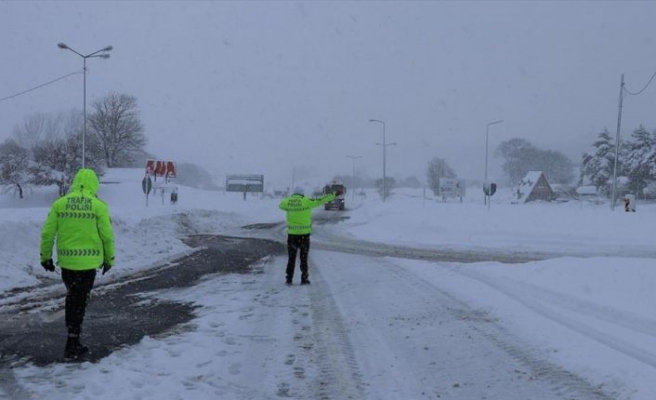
(339, 189)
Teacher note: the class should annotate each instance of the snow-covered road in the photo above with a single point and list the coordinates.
(414, 337)
(380, 321)
(368, 327)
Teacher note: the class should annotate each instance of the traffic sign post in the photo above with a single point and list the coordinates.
(489, 188)
(147, 186)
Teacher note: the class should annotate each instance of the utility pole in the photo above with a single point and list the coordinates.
(617, 145)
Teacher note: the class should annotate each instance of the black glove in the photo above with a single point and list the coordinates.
(48, 265)
(106, 267)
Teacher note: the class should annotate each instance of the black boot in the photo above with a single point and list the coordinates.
(305, 281)
(74, 349)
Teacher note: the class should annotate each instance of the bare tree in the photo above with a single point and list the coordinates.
(521, 156)
(116, 129)
(518, 155)
(37, 128)
(438, 168)
(57, 155)
(53, 145)
(556, 166)
(13, 166)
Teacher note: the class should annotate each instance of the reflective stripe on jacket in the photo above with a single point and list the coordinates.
(299, 212)
(79, 223)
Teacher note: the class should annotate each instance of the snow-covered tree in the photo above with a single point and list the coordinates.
(598, 164)
(640, 157)
(56, 161)
(13, 166)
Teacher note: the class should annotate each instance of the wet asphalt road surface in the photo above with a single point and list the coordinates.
(116, 315)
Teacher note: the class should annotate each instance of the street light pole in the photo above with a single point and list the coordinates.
(384, 157)
(487, 134)
(353, 188)
(84, 96)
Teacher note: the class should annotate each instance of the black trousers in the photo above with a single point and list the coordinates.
(78, 287)
(296, 243)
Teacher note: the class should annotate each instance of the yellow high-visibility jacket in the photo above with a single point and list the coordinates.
(79, 223)
(299, 212)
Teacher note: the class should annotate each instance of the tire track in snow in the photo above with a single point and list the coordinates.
(545, 307)
(339, 377)
(563, 383)
(339, 244)
(622, 319)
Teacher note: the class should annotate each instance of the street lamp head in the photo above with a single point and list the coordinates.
(495, 122)
(103, 55)
(108, 48)
(62, 45)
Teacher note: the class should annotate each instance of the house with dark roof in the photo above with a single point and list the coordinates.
(534, 186)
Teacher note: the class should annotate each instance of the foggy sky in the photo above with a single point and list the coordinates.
(276, 87)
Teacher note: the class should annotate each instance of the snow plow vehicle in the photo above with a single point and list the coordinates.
(340, 190)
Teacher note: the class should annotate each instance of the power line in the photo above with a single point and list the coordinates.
(643, 89)
(40, 86)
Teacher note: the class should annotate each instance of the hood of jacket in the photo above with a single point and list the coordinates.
(85, 182)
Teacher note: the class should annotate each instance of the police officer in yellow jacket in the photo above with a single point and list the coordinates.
(299, 227)
(80, 224)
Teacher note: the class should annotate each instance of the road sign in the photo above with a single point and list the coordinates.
(245, 183)
(147, 185)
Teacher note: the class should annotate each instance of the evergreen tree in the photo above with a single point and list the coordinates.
(639, 161)
(598, 165)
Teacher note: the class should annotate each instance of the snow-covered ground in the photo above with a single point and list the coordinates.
(579, 324)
